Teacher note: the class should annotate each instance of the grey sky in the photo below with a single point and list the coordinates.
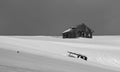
(52, 17)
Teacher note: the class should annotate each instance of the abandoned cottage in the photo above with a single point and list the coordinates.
(80, 30)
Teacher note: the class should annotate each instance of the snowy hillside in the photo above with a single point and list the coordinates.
(101, 51)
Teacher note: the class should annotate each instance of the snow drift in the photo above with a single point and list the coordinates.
(101, 51)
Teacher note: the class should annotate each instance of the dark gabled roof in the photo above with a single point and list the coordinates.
(81, 27)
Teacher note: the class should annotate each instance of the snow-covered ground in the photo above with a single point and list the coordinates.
(49, 53)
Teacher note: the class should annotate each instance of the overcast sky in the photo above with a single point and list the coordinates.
(52, 17)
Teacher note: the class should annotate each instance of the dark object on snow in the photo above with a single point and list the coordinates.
(75, 55)
(18, 51)
(83, 57)
(79, 31)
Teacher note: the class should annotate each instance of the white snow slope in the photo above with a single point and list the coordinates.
(50, 53)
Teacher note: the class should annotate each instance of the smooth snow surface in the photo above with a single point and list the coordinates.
(103, 53)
